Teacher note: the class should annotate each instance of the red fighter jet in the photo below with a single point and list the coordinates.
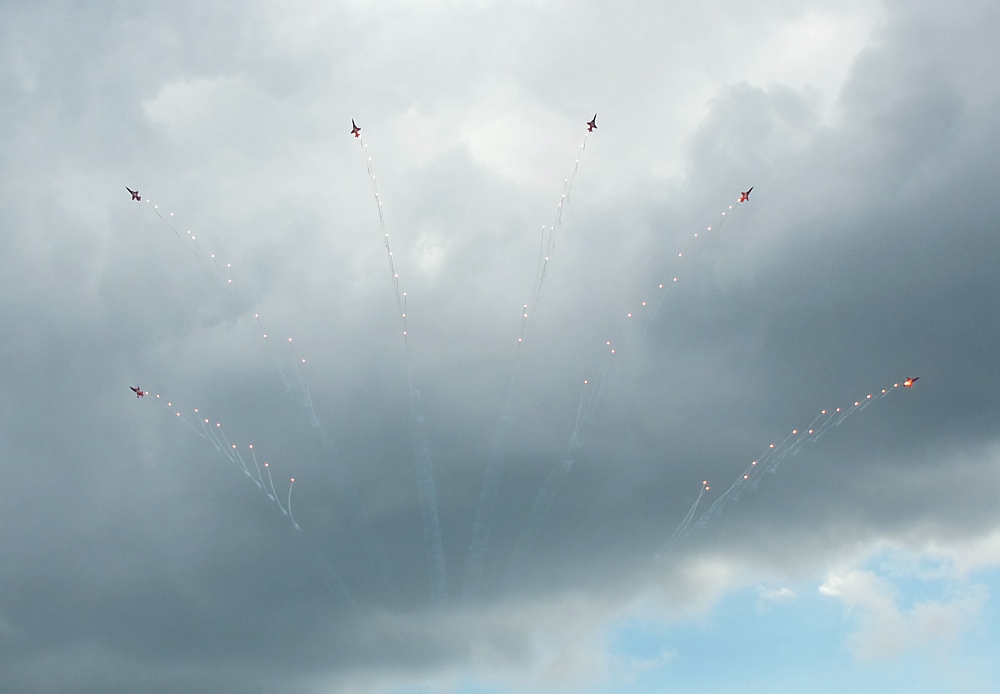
(908, 383)
(592, 124)
(138, 391)
(135, 193)
(745, 195)
(355, 130)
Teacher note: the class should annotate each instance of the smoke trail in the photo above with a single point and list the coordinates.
(825, 425)
(217, 437)
(290, 516)
(665, 287)
(424, 473)
(737, 486)
(775, 454)
(235, 456)
(539, 511)
(232, 454)
(423, 465)
(482, 527)
(548, 244)
(177, 413)
(274, 493)
(487, 505)
(585, 415)
(362, 526)
(330, 574)
(491, 483)
(260, 479)
(682, 527)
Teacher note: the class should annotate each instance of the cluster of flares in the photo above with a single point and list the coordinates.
(215, 434)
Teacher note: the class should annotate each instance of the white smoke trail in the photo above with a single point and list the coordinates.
(423, 465)
(482, 526)
(585, 415)
(290, 516)
(686, 521)
(491, 483)
(775, 454)
(548, 244)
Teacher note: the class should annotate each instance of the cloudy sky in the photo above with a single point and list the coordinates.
(471, 513)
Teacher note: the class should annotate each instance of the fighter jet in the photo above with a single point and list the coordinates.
(592, 124)
(908, 383)
(138, 391)
(745, 195)
(355, 130)
(135, 193)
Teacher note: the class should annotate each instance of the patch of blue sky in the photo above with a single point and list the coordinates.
(794, 639)
(740, 643)
(751, 643)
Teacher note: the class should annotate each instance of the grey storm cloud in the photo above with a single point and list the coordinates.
(135, 553)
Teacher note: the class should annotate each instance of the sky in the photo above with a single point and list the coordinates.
(560, 478)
